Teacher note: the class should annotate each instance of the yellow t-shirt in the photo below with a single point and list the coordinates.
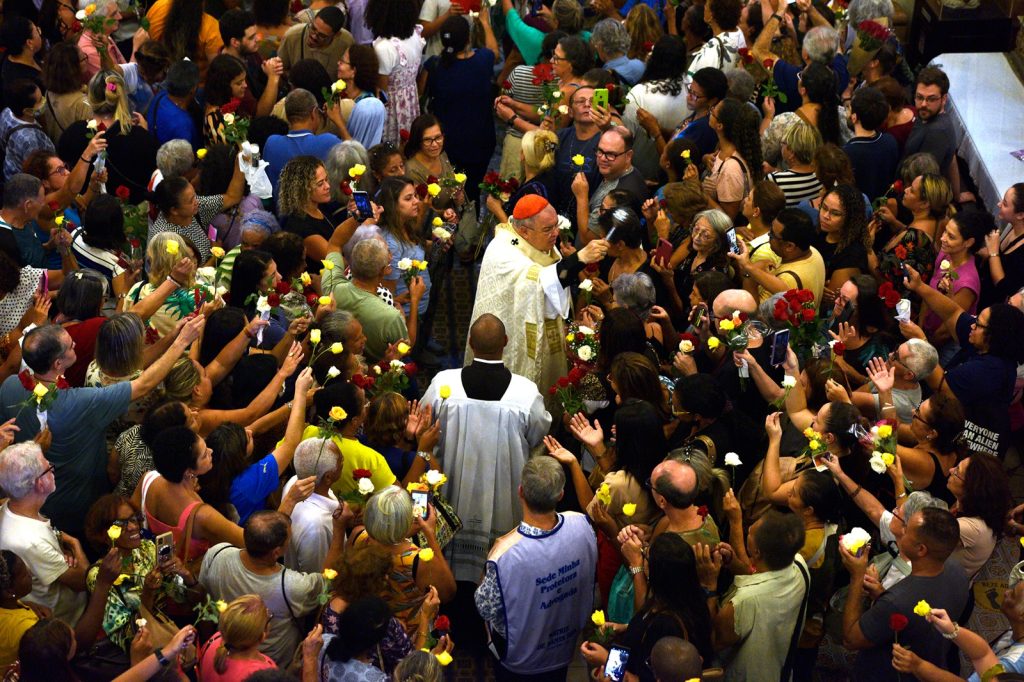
(209, 43)
(13, 623)
(356, 456)
(809, 274)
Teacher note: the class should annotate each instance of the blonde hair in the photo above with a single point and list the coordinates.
(160, 261)
(539, 148)
(643, 26)
(108, 96)
(241, 626)
(295, 184)
(935, 192)
(419, 666)
(180, 381)
(803, 141)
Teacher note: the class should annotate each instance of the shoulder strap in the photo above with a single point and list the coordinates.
(787, 668)
(799, 282)
(49, 105)
(188, 531)
(147, 481)
(710, 446)
(284, 594)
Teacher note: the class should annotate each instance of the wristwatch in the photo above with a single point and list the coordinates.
(426, 456)
(161, 659)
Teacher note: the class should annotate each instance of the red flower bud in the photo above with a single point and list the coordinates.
(839, 348)
(768, 63)
(403, 135)
(122, 192)
(898, 622)
(411, 369)
(311, 298)
(442, 624)
(808, 315)
(898, 186)
(135, 243)
(273, 300)
(563, 382)
(553, 390)
(361, 473)
(431, 179)
(282, 287)
(26, 379)
(53, 206)
(421, 191)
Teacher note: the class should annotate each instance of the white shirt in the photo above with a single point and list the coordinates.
(721, 52)
(312, 531)
(36, 543)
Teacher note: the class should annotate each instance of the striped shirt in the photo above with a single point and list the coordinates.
(796, 186)
(109, 263)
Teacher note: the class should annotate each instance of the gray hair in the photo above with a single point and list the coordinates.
(821, 44)
(340, 158)
(921, 358)
(635, 291)
(20, 468)
(388, 515)
(741, 85)
(611, 36)
(316, 457)
(369, 257)
(175, 158)
(916, 165)
(299, 105)
(334, 326)
(21, 187)
(766, 311)
(542, 484)
(362, 232)
(863, 10)
(918, 500)
(719, 221)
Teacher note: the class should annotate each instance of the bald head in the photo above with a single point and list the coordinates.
(675, 660)
(487, 337)
(734, 300)
(676, 482)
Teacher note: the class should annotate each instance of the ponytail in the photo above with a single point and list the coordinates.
(108, 95)
(220, 659)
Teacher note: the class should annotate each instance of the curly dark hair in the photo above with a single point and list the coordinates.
(392, 18)
(224, 68)
(986, 492)
(181, 31)
(855, 225)
(667, 66)
(741, 126)
(819, 81)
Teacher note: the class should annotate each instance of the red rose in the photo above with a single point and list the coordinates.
(370, 382)
(563, 382)
(791, 295)
(610, 88)
(297, 6)
(76, 26)
(361, 473)
(273, 300)
(702, 511)
(591, 268)
(891, 299)
(806, 296)
(421, 191)
(358, 380)
(768, 63)
(101, 127)
(62, 383)
(580, 336)
(662, 203)
(898, 187)
(431, 179)
(507, 84)
(135, 243)
(780, 308)
(648, 46)
(808, 315)
(744, 317)
(345, 188)
(122, 192)
(898, 622)
(411, 368)
(513, 183)
(25, 377)
(576, 375)
(282, 287)
(403, 135)
(442, 624)
(53, 206)
(553, 390)
(543, 72)
(839, 348)
(231, 107)
(311, 298)
(491, 177)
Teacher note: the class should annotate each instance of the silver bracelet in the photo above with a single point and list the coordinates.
(953, 635)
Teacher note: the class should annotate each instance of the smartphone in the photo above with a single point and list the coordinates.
(600, 98)
(698, 316)
(164, 547)
(615, 667)
(664, 252)
(363, 206)
(780, 341)
(731, 236)
(420, 503)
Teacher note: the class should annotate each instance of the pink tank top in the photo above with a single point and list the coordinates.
(197, 548)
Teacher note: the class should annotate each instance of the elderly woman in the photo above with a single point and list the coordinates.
(635, 291)
(174, 158)
(303, 187)
(389, 522)
(216, 172)
(341, 159)
(253, 231)
(101, 51)
(182, 211)
(705, 251)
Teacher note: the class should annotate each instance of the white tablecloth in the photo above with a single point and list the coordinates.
(987, 107)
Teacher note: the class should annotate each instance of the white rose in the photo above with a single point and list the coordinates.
(584, 329)
(405, 264)
(140, 623)
(856, 538)
(732, 459)
(945, 265)
(207, 273)
(433, 477)
(586, 353)
(441, 233)
(563, 110)
(80, 15)
(262, 305)
(333, 372)
(397, 364)
(376, 369)
(365, 486)
(93, 124)
(877, 463)
(220, 292)
(587, 285)
(686, 346)
(557, 94)
(229, 118)
(788, 381)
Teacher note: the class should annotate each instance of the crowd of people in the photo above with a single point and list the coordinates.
(740, 375)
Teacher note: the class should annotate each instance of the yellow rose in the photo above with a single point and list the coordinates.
(686, 154)
(426, 554)
(884, 431)
(337, 348)
(324, 300)
(328, 265)
(114, 532)
(922, 608)
(305, 279)
(569, 338)
(460, 177)
(40, 390)
(121, 578)
(815, 445)
(338, 414)
(217, 251)
(444, 658)
(437, 222)
(59, 220)
(433, 189)
(629, 509)
(604, 494)
(171, 246)
(330, 573)
(403, 347)
(726, 325)
(597, 618)
(714, 343)
(579, 160)
(201, 153)
(90, 8)
(221, 605)
(445, 392)
(809, 432)
(314, 336)
(356, 171)
(888, 459)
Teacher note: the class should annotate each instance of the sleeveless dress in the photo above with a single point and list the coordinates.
(403, 101)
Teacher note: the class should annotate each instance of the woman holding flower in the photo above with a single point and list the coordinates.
(233, 653)
(170, 293)
(99, 47)
(366, 114)
(225, 87)
(400, 220)
(257, 288)
(427, 165)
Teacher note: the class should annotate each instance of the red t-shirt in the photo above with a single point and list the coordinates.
(84, 335)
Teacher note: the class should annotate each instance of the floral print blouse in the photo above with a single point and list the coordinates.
(916, 249)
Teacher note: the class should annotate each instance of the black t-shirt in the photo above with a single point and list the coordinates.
(306, 225)
(853, 256)
(131, 158)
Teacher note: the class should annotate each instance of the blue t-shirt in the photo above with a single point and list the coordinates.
(169, 122)
(400, 250)
(250, 488)
(463, 102)
(280, 149)
(786, 78)
(699, 130)
(630, 69)
(874, 162)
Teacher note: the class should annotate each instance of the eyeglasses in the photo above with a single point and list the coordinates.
(137, 519)
(319, 36)
(556, 58)
(916, 414)
(59, 170)
(774, 237)
(693, 93)
(929, 100)
(979, 325)
(839, 215)
(545, 230)
(896, 515)
(605, 154)
(431, 141)
(955, 472)
(48, 470)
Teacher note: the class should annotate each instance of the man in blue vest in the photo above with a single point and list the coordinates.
(538, 587)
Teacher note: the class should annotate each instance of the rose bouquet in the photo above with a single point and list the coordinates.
(498, 188)
(236, 128)
(871, 35)
(583, 344)
(798, 311)
(566, 390)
